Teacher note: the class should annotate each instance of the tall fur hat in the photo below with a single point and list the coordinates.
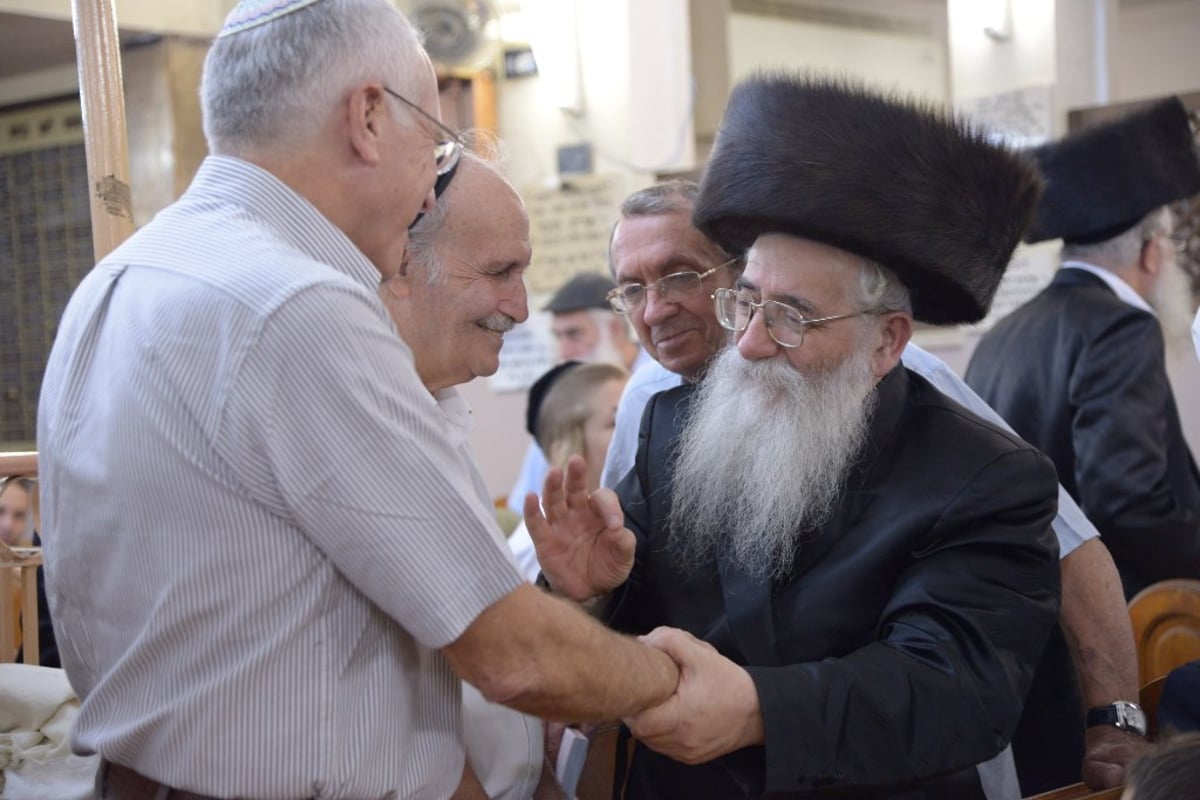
(1102, 181)
(902, 184)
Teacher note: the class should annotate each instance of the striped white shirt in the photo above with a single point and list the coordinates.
(258, 530)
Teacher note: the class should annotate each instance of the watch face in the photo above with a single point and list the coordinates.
(1132, 717)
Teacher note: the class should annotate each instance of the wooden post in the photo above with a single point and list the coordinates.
(102, 97)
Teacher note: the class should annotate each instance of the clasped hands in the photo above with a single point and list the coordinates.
(585, 552)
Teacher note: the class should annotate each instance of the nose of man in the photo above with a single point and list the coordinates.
(755, 342)
(656, 310)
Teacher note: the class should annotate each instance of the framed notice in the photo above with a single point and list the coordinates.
(569, 225)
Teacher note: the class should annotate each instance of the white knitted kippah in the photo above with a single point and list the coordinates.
(252, 13)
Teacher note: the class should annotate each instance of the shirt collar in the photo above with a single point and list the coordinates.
(1122, 289)
(296, 220)
(457, 413)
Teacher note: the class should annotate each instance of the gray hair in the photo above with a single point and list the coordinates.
(668, 197)
(675, 196)
(423, 251)
(879, 289)
(278, 81)
(1124, 248)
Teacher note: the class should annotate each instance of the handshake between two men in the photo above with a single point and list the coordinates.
(586, 554)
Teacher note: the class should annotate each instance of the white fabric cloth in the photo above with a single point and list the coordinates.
(504, 747)
(37, 710)
(647, 381)
(257, 532)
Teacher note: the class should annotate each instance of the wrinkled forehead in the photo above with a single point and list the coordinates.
(788, 266)
(646, 248)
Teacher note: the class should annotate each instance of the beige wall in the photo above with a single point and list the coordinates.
(1091, 54)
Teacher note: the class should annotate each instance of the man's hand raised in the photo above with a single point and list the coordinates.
(582, 544)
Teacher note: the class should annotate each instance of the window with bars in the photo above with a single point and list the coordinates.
(45, 249)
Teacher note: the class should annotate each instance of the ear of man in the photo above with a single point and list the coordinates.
(366, 115)
(895, 330)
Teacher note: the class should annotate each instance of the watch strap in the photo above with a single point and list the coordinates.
(1121, 715)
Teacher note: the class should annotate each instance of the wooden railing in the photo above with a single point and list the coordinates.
(19, 463)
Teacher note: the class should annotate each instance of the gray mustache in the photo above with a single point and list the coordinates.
(498, 323)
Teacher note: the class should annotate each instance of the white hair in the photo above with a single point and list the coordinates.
(423, 252)
(1125, 248)
(278, 81)
(879, 289)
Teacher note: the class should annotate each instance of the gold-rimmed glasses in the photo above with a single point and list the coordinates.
(628, 297)
(785, 324)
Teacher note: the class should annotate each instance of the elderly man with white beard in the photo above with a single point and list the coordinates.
(1080, 369)
(864, 570)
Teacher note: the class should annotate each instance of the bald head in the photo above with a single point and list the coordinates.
(461, 287)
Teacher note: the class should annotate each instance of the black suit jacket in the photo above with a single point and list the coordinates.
(897, 654)
(1081, 375)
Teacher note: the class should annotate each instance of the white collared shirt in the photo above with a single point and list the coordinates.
(1122, 289)
(504, 746)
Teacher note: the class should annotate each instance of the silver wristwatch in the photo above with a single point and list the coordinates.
(1122, 714)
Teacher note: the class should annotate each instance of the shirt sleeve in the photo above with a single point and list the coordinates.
(623, 445)
(1070, 525)
(329, 426)
(648, 381)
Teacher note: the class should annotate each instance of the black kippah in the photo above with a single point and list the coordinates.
(539, 390)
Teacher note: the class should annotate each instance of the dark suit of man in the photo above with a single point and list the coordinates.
(1080, 374)
(897, 654)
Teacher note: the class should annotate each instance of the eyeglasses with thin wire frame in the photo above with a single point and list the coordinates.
(629, 297)
(785, 324)
(447, 151)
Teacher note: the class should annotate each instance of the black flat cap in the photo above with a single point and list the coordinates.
(538, 391)
(585, 290)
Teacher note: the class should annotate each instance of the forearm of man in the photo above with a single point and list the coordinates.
(1098, 632)
(1096, 623)
(544, 656)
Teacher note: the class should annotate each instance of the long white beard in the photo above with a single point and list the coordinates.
(763, 458)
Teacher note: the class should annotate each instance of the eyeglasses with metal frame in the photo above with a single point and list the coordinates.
(672, 288)
(446, 151)
(785, 324)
